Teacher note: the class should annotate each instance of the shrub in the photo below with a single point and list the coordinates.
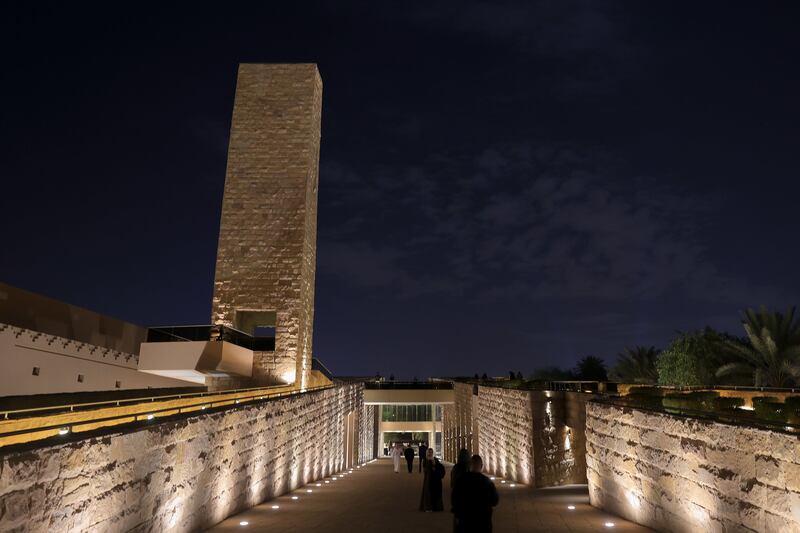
(727, 403)
(645, 391)
(688, 361)
(770, 408)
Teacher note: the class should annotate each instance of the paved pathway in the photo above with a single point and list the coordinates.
(375, 499)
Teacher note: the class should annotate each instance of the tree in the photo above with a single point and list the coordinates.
(637, 365)
(689, 359)
(591, 368)
(771, 352)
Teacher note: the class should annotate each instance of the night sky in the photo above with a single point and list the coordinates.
(503, 185)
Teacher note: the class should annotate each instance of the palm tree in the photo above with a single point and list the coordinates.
(771, 354)
(591, 368)
(637, 365)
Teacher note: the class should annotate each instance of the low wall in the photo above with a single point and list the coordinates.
(182, 475)
(531, 437)
(685, 475)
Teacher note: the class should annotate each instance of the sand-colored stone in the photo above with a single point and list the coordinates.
(266, 257)
(685, 475)
(185, 474)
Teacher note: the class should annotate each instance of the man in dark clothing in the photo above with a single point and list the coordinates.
(422, 451)
(474, 496)
(409, 455)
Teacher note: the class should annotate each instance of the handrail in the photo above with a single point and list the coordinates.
(140, 399)
(151, 414)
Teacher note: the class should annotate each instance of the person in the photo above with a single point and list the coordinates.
(397, 453)
(461, 467)
(432, 484)
(474, 496)
(409, 453)
(422, 451)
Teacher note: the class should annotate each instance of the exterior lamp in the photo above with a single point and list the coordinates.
(571, 507)
(276, 506)
(149, 417)
(63, 431)
(295, 498)
(609, 524)
(244, 523)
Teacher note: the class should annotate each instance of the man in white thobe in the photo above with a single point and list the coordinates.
(397, 453)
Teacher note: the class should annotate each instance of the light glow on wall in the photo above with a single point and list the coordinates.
(633, 499)
(288, 376)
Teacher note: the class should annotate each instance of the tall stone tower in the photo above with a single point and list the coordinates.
(267, 253)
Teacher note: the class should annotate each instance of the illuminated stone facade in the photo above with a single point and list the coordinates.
(531, 437)
(687, 475)
(183, 475)
(266, 257)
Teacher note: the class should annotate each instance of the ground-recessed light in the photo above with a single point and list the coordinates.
(503, 481)
(512, 485)
(609, 524)
(326, 481)
(243, 523)
(276, 506)
(310, 490)
(319, 484)
(492, 478)
(295, 497)
(63, 431)
(571, 507)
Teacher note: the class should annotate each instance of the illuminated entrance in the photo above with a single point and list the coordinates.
(409, 413)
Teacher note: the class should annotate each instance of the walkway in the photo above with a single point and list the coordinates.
(374, 499)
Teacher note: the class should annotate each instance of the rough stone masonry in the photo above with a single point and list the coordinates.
(266, 257)
(685, 475)
(186, 474)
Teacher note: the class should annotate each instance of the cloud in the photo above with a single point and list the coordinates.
(531, 221)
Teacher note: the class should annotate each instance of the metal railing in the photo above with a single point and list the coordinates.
(210, 332)
(203, 403)
(430, 385)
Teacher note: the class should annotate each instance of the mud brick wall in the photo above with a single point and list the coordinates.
(182, 475)
(685, 475)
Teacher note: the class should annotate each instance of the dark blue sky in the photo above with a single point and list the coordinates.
(503, 185)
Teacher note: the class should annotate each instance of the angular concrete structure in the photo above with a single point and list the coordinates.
(266, 258)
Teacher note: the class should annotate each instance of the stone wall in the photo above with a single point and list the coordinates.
(181, 475)
(559, 448)
(531, 437)
(266, 257)
(685, 475)
(505, 441)
(458, 423)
